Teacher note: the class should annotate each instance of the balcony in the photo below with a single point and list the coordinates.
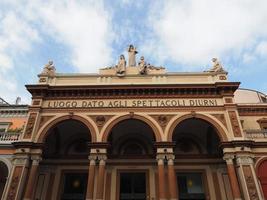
(256, 133)
(8, 138)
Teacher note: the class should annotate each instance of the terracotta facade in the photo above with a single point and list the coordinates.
(101, 136)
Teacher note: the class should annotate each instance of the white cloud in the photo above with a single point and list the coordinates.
(83, 27)
(261, 49)
(192, 32)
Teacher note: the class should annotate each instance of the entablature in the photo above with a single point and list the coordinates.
(218, 89)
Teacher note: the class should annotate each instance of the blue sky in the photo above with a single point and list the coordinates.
(83, 36)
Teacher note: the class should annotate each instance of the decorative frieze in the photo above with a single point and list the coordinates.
(30, 125)
(251, 186)
(12, 192)
(235, 123)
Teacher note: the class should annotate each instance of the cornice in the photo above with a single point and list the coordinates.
(252, 110)
(131, 91)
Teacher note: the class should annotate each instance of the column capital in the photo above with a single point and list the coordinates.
(21, 159)
(92, 157)
(229, 158)
(170, 156)
(102, 157)
(244, 159)
(161, 156)
(36, 159)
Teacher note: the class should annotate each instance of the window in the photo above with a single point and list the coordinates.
(4, 126)
(190, 186)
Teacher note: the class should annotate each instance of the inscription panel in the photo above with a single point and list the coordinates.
(133, 103)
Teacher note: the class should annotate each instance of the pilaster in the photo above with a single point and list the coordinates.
(248, 178)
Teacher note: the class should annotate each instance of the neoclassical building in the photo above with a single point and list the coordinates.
(137, 132)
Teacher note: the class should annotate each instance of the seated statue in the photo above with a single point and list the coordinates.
(142, 66)
(121, 66)
(49, 69)
(217, 67)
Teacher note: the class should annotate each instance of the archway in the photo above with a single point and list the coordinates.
(67, 139)
(132, 144)
(43, 132)
(131, 138)
(221, 132)
(3, 177)
(197, 144)
(195, 136)
(145, 119)
(65, 157)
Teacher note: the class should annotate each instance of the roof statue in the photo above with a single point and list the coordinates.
(49, 69)
(121, 66)
(131, 55)
(217, 67)
(121, 69)
(142, 65)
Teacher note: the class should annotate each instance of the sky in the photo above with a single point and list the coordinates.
(83, 36)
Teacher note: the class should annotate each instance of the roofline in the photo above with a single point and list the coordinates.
(252, 90)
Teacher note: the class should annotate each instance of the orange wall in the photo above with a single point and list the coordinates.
(16, 122)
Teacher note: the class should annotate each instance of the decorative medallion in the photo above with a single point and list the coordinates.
(162, 119)
(234, 123)
(100, 120)
(30, 125)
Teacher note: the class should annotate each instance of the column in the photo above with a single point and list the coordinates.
(249, 181)
(32, 177)
(91, 179)
(173, 189)
(101, 178)
(161, 179)
(232, 176)
(18, 175)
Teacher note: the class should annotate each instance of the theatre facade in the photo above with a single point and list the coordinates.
(138, 132)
